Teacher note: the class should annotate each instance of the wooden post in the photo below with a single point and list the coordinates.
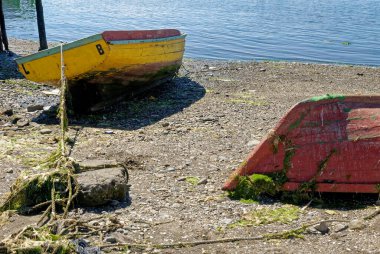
(41, 25)
(3, 32)
(1, 44)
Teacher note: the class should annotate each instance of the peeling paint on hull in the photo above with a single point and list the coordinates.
(335, 143)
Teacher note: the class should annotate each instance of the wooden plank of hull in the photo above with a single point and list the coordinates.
(334, 141)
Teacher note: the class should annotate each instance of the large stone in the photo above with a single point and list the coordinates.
(99, 187)
(88, 165)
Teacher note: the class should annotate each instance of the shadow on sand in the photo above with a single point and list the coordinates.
(143, 110)
(8, 66)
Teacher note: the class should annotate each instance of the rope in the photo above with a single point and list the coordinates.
(62, 107)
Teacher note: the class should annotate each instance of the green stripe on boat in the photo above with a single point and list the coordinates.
(56, 50)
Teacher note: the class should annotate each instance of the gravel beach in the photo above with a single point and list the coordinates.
(182, 140)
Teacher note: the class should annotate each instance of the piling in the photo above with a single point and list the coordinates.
(3, 32)
(41, 25)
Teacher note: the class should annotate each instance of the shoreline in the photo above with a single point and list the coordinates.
(197, 129)
(24, 47)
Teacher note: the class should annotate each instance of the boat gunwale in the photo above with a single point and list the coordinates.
(119, 42)
(57, 49)
(88, 40)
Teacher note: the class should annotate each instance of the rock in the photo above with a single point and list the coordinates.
(340, 227)
(313, 231)
(357, 224)
(209, 119)
(45, 131)
(15, 118)
(34, 124)
(202, 181)
(22, 122)
(109, 132)
(165, 124)
(170, 169)
(98, 187)
(9, 171)
(323, 228)
(83, 247)
(253, 142)
(226, 221)
(110, 239)
(338, 235)
(55, 92)
(88, 165)
(263, 70)
(34, 108)
(6, 112)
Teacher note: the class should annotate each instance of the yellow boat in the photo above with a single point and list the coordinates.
(112, 62)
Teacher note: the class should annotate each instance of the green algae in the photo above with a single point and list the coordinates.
(264, 216)
(249, 188)
(29, 191)
(192, 180)
(326, 97)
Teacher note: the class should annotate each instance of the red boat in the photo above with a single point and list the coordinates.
(332, 141)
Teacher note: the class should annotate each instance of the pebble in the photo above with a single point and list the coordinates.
(109, 132)
(323, 228)
(340, 227)
(181, 179)
(110, 239)
(253, 142)
(226, 221)
(34, 108)
(9, 171)
(22, 122)
(357, 224)
(170, 169)
(202, 181)
(46, 131)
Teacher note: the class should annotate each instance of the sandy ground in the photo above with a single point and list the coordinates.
(201, 125)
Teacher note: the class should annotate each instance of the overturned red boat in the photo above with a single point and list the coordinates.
(332, 141)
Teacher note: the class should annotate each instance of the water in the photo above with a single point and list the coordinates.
(328, 31)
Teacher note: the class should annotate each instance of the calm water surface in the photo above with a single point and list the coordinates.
(329, 31)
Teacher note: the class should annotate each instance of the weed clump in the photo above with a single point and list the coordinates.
(251, 187)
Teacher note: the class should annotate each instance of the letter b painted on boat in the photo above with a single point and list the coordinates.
(100, 49)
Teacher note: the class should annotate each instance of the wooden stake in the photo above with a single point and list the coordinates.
(41, 25)
(3, 32)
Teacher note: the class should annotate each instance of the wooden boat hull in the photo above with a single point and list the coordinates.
(113, 60)
(332, 142)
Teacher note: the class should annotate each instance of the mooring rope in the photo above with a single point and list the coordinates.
(62, 107)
